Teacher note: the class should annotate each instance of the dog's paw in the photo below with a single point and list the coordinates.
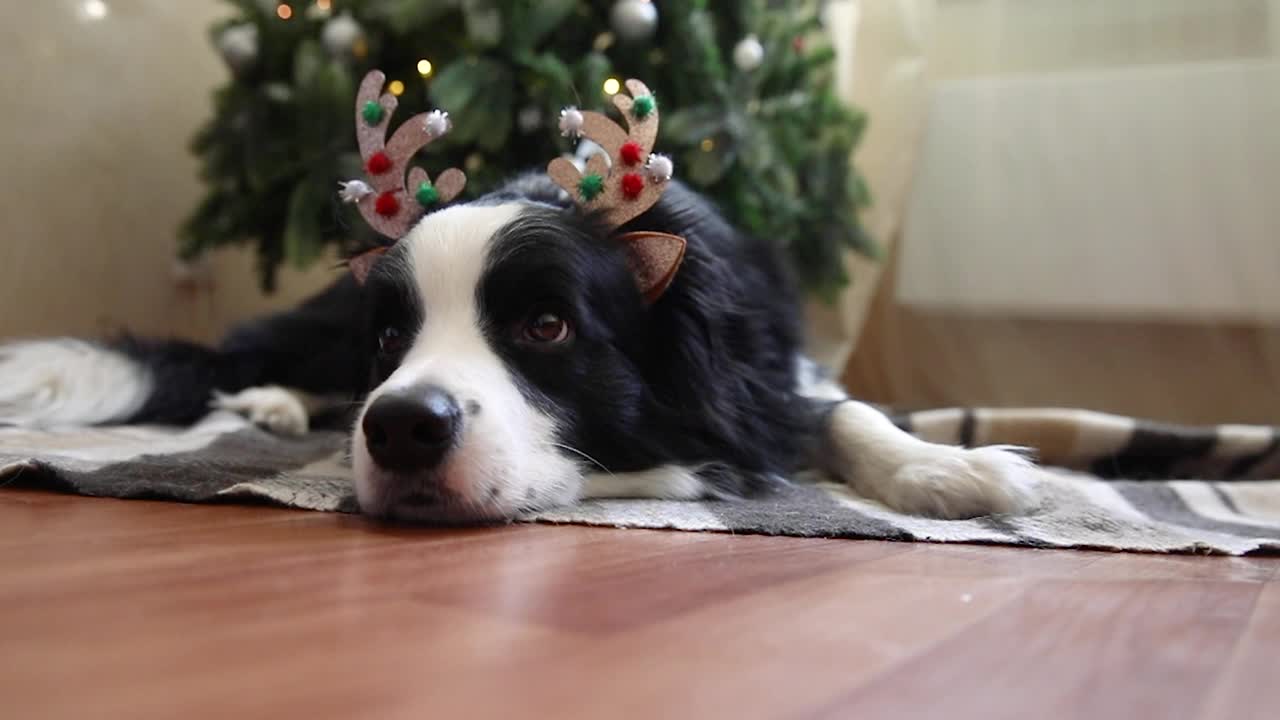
(951, 483)
(271, 407)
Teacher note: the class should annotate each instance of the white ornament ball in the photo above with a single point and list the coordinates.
(437, 123)
(571, 122)
(529, 119)
(238, 46)
(587, 150)
(318, 11)
(340, 35)
(748, 54)
(634, 20)
(660, 167)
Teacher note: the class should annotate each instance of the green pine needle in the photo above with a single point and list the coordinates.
(771, 148)
(590, 186)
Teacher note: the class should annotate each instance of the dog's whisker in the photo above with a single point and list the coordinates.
(578, 452)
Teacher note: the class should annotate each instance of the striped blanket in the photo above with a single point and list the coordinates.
(1108, 482)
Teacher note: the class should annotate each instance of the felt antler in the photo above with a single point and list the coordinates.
(388, 204)
(636, 178)
(624, 182)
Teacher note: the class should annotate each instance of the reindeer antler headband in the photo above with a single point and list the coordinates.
(619, 186)
(624, 182)
(389, 204)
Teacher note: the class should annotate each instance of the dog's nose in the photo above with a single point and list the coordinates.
(411, 429)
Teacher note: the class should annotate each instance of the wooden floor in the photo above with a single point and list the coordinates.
(151, 610)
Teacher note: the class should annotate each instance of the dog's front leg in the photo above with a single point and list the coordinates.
(284, 411)
(863, 448)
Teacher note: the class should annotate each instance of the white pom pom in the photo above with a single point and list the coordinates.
(571, 122)
(354, 190)
(437, 123)
(660, 167)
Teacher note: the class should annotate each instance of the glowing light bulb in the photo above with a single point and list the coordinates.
(283, 11)
(612, 86)
(424, 68)
(323, 4)
(94, 9)
(707, 145)
(395, 87)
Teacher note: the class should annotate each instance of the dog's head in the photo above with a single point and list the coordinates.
(506, 336)
(525, 339)
(513, 352)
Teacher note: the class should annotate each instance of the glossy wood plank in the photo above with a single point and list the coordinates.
(1250, 682)
(154, 610)
(1074, 649)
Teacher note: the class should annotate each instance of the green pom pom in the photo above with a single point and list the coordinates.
(643, 106)
(590, 186)
(371, 112)
(427, 195)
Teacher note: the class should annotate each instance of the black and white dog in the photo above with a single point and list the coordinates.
(505, 361)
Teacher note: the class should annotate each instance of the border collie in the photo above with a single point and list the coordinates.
(515, 352)
(508, 363)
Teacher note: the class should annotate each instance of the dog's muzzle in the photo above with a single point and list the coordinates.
(412, 430)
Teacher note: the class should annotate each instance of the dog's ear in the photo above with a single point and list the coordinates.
(654, 258)
(363, 263)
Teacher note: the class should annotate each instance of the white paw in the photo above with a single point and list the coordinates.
(952, 483)
(274, 408)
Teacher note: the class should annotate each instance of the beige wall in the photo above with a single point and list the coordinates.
(97, 177)
(1185, 370)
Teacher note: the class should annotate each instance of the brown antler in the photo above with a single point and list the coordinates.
(387, 203)
(632, 177)
(624, 182)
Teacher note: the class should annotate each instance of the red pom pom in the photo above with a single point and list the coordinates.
(378, 163)
(387, 204)
(630, 153)
(632, 184)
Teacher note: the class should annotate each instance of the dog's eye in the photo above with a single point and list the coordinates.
(547, 329)
(390, 341)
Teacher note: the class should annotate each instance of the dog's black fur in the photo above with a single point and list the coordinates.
(705, 375)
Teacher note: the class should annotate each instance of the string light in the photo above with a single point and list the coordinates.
(395, 87)
(323, 4)
(94, 9)
(424, 68)
(283, 11)
(612, 86)
(707, 145)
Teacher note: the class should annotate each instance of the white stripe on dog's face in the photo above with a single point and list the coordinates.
(505, 457)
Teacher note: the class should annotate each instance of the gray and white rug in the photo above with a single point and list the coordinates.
(1115, 483)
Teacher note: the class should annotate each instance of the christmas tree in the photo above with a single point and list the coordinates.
(749, 112)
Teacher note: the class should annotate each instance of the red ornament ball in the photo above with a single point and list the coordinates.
(631, 153)
(378, 163)
(387, 204)
(632, 184)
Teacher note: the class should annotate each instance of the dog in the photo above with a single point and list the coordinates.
(531, 348)
(504, 361)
